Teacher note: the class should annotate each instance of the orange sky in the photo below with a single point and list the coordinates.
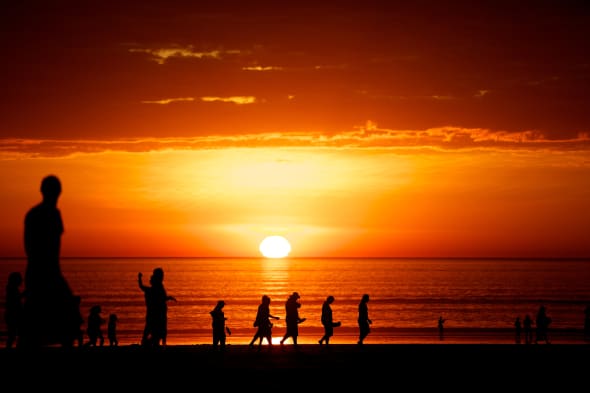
(367, 130)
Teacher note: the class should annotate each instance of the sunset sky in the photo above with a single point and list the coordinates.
(361, 129)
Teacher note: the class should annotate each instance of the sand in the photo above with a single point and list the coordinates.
(339, 365)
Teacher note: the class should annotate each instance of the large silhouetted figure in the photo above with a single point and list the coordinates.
(51, 312)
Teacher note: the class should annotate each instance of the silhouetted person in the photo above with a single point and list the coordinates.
(363, 320)
(527, 325)
(328, 321)
(76, 322)
(112, 330)
(517, 330)
(13, 311)
(49, 303)
(218, 325)
(441, 327)
(292, 318)
(587, 323)
(542, 323)
(156, 302)
(263, 323)
(94, 327)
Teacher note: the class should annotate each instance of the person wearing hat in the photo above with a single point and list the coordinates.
(292, 318)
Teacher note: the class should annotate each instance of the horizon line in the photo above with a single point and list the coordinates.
(320, 257)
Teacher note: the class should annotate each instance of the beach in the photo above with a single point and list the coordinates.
(336, 365)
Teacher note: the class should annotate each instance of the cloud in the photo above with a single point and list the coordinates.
(481, 93)
(161, 55)
(262, 68)
(368, 136)
(240, 100)
(167, 101)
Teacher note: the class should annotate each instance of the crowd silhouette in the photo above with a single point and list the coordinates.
(47, 312)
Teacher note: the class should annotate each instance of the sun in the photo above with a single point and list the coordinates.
(275, 247)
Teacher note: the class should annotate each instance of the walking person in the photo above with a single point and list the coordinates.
(364, 322)
(263, 323)
(292, 318)
(218, 325)
(328, 321)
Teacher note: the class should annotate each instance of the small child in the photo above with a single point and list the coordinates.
(112, 330)
(94, 328)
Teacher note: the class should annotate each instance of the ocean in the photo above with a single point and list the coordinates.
(478, 298)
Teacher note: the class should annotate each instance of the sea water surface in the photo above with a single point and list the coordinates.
(479, 298)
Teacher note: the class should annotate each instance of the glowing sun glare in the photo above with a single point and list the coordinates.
(275, 247)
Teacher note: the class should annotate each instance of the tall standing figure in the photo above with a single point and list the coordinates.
(156, 301)
(364, 321)
(51, 312)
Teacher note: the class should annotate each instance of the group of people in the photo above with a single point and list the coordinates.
(542, 322)
(47, 311)
(263, 321)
